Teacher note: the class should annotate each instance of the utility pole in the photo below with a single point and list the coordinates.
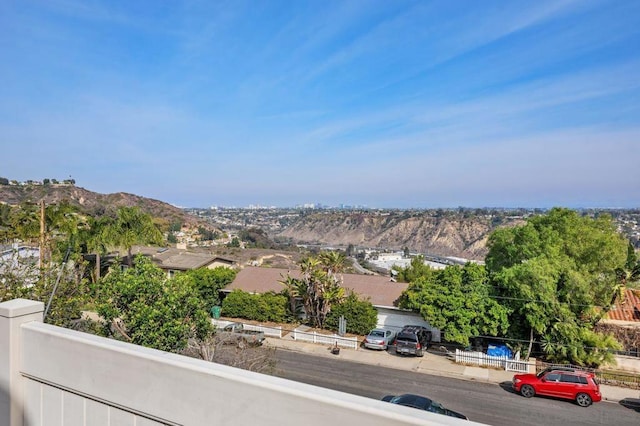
(42, 233)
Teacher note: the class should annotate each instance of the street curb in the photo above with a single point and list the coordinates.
(419, 370)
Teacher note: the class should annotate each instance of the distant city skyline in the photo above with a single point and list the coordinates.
(403, 104)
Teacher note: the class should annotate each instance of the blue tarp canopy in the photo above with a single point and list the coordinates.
(499, 350)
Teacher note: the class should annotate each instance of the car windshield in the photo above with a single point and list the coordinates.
(436, 407)
(377, 333)
(415, 401)
(548, 369)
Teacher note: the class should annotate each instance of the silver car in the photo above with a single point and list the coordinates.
(379, 338)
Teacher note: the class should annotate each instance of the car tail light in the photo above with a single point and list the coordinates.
(381, 342)
(395, 342)
(418, 346)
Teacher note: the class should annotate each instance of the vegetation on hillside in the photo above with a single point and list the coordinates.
(96, 205)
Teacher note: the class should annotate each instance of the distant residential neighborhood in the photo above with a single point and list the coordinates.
(46, 181)
(273, 220)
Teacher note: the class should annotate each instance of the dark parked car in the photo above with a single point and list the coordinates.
(579, 386)
(422, 403)
(412, 339)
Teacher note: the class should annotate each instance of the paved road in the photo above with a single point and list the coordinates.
(482, 402)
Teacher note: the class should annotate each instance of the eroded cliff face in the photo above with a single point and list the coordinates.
(449, 235)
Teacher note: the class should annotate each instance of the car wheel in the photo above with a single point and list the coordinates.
(527, 391)
(583, 400)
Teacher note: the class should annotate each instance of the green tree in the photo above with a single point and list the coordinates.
(256, 238)
(131, 226)
(5, 222)
(457, 300)
(176, 226)
(209, 282)
(208, 234)
(416, 269)
(235, 242)
(25, 222)
(142, 306)
(360, 315)
(557, 275)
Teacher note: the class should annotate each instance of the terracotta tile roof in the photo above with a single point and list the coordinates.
(380, 290)
(628, 309)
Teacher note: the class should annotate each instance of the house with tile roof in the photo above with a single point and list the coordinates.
(174, 260)
(626, 310)
(381, 291)
(624, 320)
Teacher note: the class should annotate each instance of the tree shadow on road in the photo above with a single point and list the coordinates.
(631, 403)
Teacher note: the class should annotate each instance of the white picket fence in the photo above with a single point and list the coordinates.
(267, 330)
(327, 339)
(297, 334)
(484, 360)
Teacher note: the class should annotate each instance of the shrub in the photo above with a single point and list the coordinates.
(361, 316)
(258, 307)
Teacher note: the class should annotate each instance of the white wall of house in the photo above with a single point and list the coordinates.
(23, 262)
(628, 363)
(395, 319)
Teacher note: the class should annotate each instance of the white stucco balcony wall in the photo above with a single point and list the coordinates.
(70, 378)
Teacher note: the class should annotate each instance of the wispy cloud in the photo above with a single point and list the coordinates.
(379, 103)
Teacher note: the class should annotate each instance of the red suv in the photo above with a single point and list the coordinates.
(577, 385)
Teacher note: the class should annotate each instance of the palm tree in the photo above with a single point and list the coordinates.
(333, 261)
(320, 285)
(293, 290)
(94, 239)
(131, 226)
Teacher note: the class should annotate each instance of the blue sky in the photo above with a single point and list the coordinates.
(279, 103)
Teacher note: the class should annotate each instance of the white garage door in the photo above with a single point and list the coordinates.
(395, 319)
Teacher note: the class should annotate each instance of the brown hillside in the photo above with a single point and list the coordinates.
(91, 202)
